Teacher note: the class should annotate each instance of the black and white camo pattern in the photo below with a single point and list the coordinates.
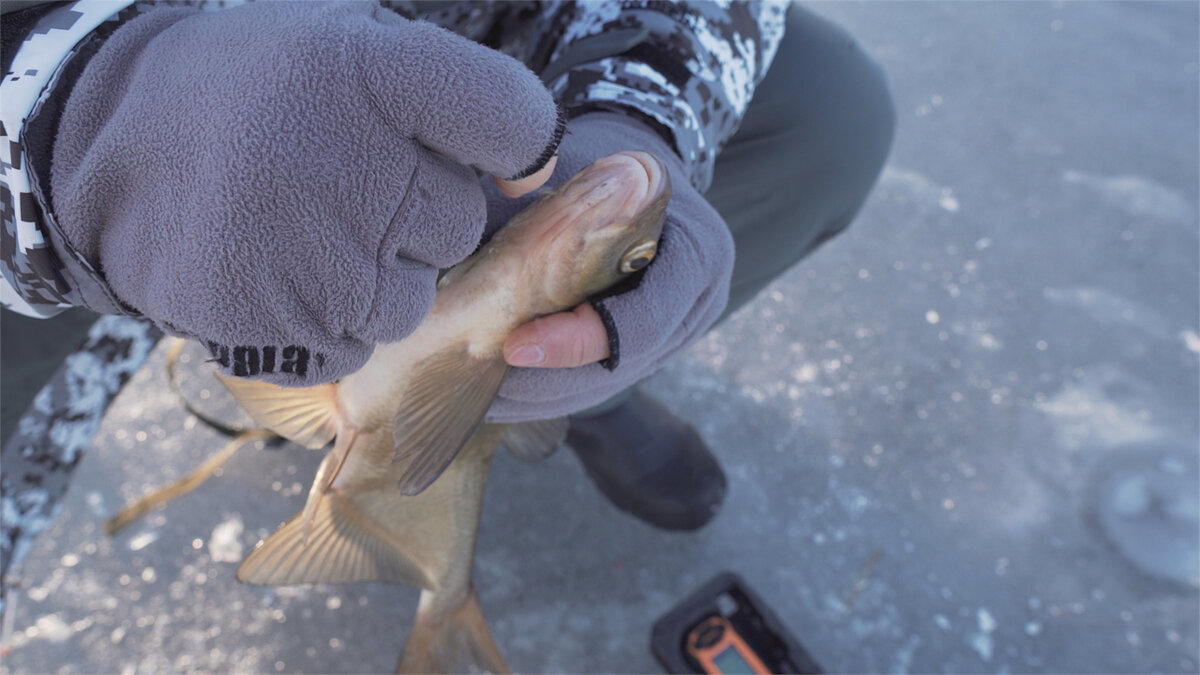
(694, 74)
(52, 436)
(693, 71)
(32, 279)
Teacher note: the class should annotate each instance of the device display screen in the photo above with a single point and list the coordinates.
(730, 662)
(722, 628)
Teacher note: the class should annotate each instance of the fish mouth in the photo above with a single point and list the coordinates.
(616, 188)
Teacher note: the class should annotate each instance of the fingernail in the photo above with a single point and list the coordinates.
(529, 355)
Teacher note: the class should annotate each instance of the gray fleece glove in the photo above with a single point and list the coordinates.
(283, 180)
(681, 294)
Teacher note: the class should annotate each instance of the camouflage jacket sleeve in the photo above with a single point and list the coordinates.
(690, 66)
(38, 276)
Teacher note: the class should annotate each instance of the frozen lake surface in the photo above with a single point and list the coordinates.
(988, 385)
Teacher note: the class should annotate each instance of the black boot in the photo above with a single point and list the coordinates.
(650, 463)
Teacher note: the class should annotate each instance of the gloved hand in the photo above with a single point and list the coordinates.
(603, 347)
(283, 180)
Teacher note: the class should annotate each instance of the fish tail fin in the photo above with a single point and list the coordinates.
(451, 642)
(336, 544)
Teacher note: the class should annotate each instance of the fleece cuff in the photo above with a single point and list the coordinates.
(681, 294)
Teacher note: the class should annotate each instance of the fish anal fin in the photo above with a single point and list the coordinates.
(454, 642)
(535, 441)
(327, 472)
(304, 415)
(343, 546)
(444, 404)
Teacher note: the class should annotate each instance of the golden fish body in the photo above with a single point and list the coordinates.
(367, 530)
(377, 509)
(432, 388)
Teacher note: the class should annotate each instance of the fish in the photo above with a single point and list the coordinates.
(397, 498)
(428, 392)
(367, 530)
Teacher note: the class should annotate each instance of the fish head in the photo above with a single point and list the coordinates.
(600, 226)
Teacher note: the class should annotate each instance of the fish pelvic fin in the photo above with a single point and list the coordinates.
(326, 474)
(535, 441)
(339, 545)
(455, 642)
(443, 406)
(304, 415)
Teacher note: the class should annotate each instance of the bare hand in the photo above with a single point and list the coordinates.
(562, 340)
(516, 188)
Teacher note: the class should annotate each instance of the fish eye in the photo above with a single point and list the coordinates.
(638, 257)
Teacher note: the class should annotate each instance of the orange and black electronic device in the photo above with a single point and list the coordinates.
(724, 628)
(715, 644)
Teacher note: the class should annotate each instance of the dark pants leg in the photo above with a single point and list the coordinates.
(810, 148)
(31, 350)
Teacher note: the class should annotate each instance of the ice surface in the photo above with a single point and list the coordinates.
(1025, 462)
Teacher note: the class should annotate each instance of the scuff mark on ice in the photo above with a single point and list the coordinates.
(1085, 414)
(1108, 308)
(1191, 340)
(982, 641)
(1137, 195)
(142, 540)
(902, 662)
(920, 188)
(225, 544)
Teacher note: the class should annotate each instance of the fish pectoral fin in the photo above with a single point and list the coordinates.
(456, 642)
(343, 546)
(304, 415)
(442, 407)
(535, 441)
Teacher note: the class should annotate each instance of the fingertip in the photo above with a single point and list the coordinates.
(522, 186)
(563, 340)
(526, 356)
